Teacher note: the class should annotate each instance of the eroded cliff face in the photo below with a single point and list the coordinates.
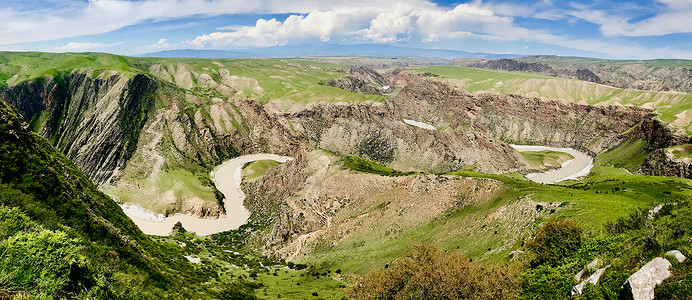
(378, 132)
(95, 122)
(513, 118)
(662, 163)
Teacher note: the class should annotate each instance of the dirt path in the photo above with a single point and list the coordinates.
(572, 169)
(227, 178)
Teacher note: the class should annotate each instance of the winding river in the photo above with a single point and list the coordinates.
(227, 178)
(572, 169)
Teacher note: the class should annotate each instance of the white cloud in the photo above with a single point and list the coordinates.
(100, 16)
(674, 16)
(86, 46)
(161, 44)
(402, 23)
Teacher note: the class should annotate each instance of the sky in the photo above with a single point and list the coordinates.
(640, 29)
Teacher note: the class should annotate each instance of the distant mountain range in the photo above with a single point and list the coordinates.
(371, 50)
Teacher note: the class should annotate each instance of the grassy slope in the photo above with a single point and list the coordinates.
(286, 81)
(16, 67)
(667, 104)
(545, 158)
(254, 170)
(479, 232)
(681, 151)
(629, 155)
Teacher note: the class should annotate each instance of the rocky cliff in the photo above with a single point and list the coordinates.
(662, 163)
(513, 118)
(95, 122)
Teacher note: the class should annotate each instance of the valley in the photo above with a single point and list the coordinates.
(292, 178)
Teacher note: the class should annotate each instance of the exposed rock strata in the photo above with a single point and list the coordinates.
(662, 163)
(95, 122)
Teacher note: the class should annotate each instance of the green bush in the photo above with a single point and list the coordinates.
(39, 262)
(556, 240)
(426, 273)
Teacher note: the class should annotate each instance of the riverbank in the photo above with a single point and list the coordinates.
(227, 179)
(572, 169)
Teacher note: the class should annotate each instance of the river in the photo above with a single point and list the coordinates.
(572, 169)
(227, 178)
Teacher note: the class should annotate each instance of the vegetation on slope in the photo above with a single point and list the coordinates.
(255, 169)
(507, 220)
(62, 238)
(629, 155)
(427, 273)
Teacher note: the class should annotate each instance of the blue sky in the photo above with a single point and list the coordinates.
(609, 29)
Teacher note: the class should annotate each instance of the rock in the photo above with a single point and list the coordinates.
(677, 255)
(640, 286)
(654, 211)
(178, 228)
(354, 84)
(661, 163)
(593, 264)
(593, 279)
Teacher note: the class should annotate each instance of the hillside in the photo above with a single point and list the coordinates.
(673, 107)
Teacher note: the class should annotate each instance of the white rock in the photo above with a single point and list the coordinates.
(420, 124)
(593, 279)
(654, 211)
(194, 260)
(677, 255)
(640, 286)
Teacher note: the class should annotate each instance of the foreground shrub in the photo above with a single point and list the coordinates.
(556, 240)
(426, 273)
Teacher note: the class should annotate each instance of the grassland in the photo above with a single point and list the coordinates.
(546, 158)
(232, 265)
(681, 151)
(630, 154)
(256, 169)
(284, 81)
(16, 67)
(673, 107)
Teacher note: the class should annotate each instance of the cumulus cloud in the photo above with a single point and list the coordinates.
(82, 47)
(19, 24)
(402, 23)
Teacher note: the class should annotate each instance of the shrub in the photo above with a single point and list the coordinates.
(40, 262)
(556, 240)
(426, 273)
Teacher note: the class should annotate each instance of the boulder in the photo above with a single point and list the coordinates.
(640, 286)
(677, 255)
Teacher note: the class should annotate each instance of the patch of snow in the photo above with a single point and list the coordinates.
(420, 124)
